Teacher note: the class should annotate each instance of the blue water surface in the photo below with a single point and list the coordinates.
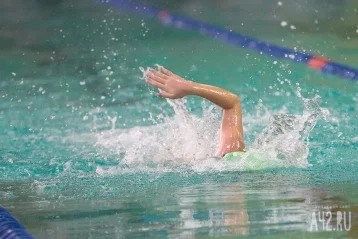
(68, 69)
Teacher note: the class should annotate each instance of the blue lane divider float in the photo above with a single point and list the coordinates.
(234, 38)
(10, 228)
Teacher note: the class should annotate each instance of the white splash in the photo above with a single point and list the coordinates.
(182, 138)
(285, 140)
(185, 142)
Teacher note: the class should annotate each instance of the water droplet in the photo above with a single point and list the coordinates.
(283, 24)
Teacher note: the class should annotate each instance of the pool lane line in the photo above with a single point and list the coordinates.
(315, 62)
(10, 228)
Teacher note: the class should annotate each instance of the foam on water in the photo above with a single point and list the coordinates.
(183, 141)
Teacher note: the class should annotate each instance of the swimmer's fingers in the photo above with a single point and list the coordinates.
(156, 78)
(165, 71)
(165, 95)
(158, 73)
(155, 84)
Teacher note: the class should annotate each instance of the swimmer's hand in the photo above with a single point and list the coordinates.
(171, 85)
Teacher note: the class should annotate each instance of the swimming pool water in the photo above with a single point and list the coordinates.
(82, 158)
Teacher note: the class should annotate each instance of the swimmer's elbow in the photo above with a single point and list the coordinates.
(235, 101)
(230, 101)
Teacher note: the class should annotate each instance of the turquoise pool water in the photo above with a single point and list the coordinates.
(88, 152)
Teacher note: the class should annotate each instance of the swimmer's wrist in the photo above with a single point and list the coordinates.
(190, 87)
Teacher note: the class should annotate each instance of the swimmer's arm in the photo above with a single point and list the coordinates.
(174, 87)
(231, 132)
(218, 96)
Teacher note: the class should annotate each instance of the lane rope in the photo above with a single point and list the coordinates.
(10, 228)
(315, 62)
